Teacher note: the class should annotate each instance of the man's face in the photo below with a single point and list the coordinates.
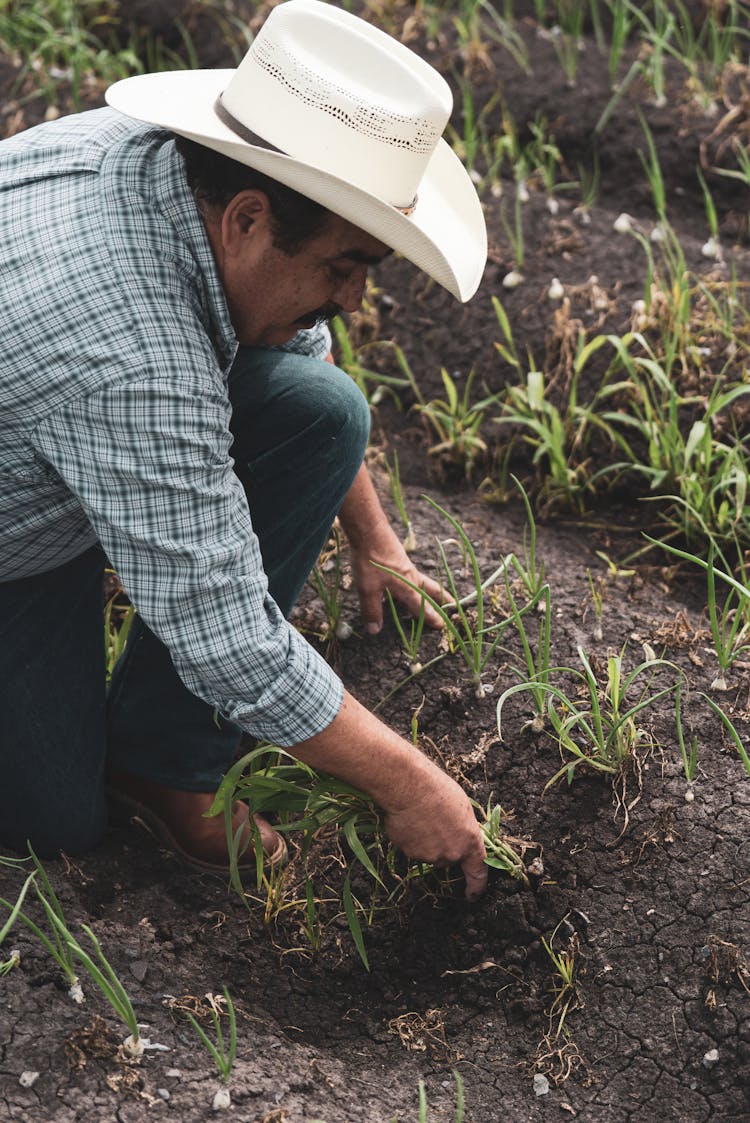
(271, 294)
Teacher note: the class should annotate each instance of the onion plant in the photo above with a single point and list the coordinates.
(595, 725)
(66, 950)
(100, 970)
(456, 421)
(310, 804)
(303, 801)
(221, 1052)
(394, 478)
(689, 756)
(729, 619)
(465, 627)
(15, 907)
(325, 579)
(410, 634)
(54, 942)
(732, 731)
(709, 473)
(565, 966)
(119, 616)
(503, 852)
(373, 384)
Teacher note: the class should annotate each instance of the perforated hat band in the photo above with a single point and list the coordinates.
(250, 137)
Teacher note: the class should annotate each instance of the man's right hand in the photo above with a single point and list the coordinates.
(427, 815)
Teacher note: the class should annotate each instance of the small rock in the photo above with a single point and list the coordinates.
(541, 1084)
(139, 969)
(711, 1058)
(28, 1079)
(163, 1093)
(175, 1073)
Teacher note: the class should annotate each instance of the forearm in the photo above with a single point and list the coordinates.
(360, 749)
(362, 516)
(427, 815)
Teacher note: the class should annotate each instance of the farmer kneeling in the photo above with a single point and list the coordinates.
(165, 404)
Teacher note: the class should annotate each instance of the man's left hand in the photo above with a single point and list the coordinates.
(372, 583)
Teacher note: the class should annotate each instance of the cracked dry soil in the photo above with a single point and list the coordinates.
(655, 915)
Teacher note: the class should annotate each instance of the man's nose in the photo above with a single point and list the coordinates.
(349, 293)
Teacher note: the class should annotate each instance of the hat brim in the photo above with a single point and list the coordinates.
(445, 236)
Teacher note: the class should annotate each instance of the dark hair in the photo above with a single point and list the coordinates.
(214, 179)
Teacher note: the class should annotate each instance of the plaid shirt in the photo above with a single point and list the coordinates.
(114, 415)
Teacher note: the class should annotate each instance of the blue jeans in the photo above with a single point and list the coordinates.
(300, 429)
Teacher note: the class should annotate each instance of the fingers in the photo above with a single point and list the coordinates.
(475, 871)
(412, 601)
(371, 609)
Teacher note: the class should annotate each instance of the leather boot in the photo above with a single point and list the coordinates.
(177, 818)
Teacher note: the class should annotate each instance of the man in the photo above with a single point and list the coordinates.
(164, 404)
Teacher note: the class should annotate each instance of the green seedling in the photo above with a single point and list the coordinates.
(66, 949)
(730, 620)
(221, 1053)
(729, 624)
(305, 802)
(16, 907)
(514, 230)
(411, 640)
(373, 384)
(595, 726)
(503, 852)
(731, 730)
(119, 615)
(567, 37)
(7, 965)
(326, 580)
(459, 1100)
(708, 472)
(394, 478)
(457, 421)
(535, 675)
(103, 974)
(596, 591)
(465, 631)
(565, 965)
(689, 756)
(712, 248)
(55, 943)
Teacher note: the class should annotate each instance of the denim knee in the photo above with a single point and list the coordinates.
(339, 398)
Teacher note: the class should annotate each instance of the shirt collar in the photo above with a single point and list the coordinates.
(175, 200)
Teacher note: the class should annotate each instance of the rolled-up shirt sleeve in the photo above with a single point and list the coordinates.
(148, 460)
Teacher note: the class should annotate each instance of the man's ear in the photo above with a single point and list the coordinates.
(246, 215)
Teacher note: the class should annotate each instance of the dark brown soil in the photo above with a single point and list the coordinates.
(654, 907)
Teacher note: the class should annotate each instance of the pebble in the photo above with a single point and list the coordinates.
(711, 1058)
(163, 1093)
(175, 1073)
(541, 1084)
(28, 1079)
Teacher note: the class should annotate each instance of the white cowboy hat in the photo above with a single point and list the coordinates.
(347, 116)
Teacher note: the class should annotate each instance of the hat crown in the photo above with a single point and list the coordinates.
(326, 88)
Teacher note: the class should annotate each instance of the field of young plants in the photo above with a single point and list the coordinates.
(568, 452)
